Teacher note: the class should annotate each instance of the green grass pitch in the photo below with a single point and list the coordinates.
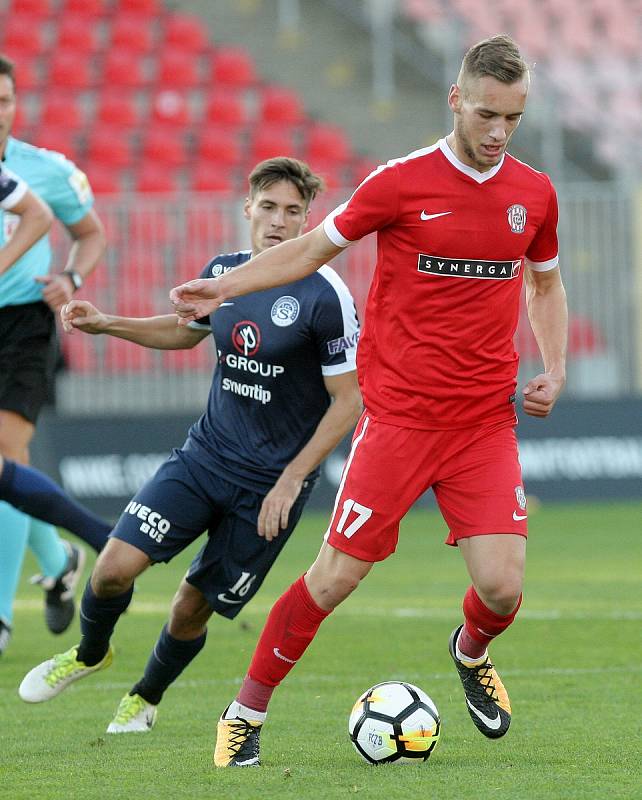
(571, 664)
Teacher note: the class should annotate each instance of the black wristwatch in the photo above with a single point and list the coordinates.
(76, 279)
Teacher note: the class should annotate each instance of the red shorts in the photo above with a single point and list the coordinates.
(474, 472)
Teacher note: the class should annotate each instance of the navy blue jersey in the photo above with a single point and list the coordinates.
(268, 395)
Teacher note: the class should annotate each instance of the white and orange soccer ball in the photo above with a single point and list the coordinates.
(394, 722)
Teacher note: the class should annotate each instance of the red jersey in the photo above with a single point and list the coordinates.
(436, 350)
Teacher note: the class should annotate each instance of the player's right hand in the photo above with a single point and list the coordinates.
(196, 299)
(82, 315)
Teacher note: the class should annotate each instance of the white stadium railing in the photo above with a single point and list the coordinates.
(156, 242)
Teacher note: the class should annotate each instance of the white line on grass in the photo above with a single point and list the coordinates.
(146, 607)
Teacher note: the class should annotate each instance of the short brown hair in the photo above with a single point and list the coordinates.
(283, 168)
(498, 57)
(8, 68)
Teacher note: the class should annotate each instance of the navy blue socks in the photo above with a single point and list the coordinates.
(169, 658)
(32, 492)
(98, 618)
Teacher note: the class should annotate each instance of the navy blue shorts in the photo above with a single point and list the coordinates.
(182, 501)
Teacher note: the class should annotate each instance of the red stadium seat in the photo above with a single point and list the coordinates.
(334, 174)
(270, 142)
(185, 32)
(86, 8)
(164, 147)
(218, 145)
(110, 147)
(170, 108)
(152, 178)
(27, 69)
(23, 36)
(61, 110)
(124, 69)
(148, 8)
(117, 108)
(177, 69)
(132, 300)
(361, 168)
(104, 180)
(206, 227)
(70, 69)
(132, 33)
(326, 143)
(233, 66)
(78, 34)
(59, 139)
(149, 228)
(32, 8)
(20, 122)
(226, 107)
(279, 104)
(142, 273)
(210, 177)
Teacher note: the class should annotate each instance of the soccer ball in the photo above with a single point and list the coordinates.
(394, 722)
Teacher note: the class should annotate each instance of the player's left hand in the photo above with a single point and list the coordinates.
(57, 290)
(275, 510)
(541, 393)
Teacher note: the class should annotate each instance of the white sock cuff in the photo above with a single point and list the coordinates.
(236, 709)
(472, 661)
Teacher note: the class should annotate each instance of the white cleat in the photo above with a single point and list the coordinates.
(134, 715)
(54, 675)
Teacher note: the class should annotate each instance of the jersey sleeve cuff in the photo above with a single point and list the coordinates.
(339, 369)
(331, 230)
(542, 266)
(12, 200)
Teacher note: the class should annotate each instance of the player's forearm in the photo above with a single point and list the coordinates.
(284, 263)
(548, 315)
(35, 221)
(338, 420)
(85, 253)
(158, 333)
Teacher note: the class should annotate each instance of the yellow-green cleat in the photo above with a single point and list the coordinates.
(133, 715)
(54, 675)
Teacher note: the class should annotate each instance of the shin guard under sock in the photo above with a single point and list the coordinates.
(481, 624)
(169, 658)
(289, 629)
(98, 617)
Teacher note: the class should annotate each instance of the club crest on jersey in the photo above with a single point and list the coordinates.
(217, 269)
(285, 311)
(246, 337)
(517, 218)
(520, 497)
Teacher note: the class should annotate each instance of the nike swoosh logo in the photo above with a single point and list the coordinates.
(282, 657)
(226, 304)
(224, 599)
(493, 724)
(518, 517)
(423, 216)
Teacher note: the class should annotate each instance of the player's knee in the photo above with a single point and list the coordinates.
(189, 614)
(110, 579)
(502, 595)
